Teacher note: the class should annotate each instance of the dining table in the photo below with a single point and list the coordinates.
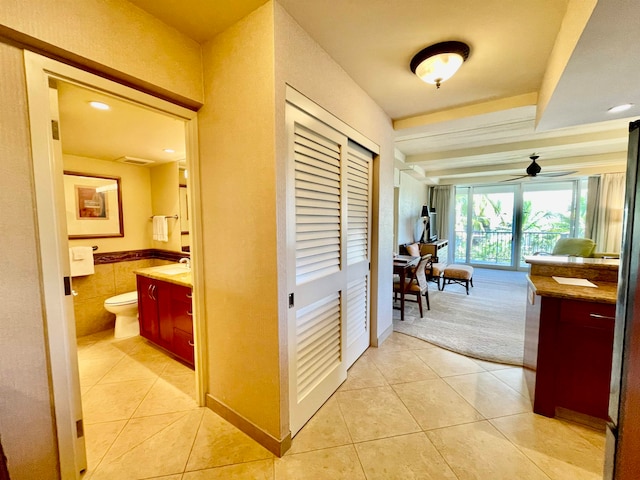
(402, 264)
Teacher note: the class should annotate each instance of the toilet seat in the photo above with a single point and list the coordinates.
(123, 299)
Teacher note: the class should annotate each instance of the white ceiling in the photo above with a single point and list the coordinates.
(480, 126)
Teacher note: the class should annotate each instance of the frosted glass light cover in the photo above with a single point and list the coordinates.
(439, 68)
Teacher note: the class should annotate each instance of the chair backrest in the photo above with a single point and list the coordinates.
(578, 247)
(420, 275)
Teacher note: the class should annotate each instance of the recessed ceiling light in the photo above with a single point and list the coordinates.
(100, 105)
(620, 108)
(169, 150)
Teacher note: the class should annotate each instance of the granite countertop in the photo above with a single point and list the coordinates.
(568, 261)
(174, 273)
(606, 292)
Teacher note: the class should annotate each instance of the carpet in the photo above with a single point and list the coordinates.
(487, 324)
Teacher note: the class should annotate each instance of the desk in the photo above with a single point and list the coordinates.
(401, 265)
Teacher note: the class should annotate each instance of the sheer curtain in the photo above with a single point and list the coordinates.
(444, 204)
(607, 231)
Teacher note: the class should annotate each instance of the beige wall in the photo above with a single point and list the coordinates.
(136, 202)
(26, 423)
(165, 200)
(112, 36)
(301, 63)
(239, 220)
(413, 195)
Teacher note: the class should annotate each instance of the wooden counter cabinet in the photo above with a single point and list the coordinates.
(165, 316)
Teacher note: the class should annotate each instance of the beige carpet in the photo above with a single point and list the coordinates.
(487, 324)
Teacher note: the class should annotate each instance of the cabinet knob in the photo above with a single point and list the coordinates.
(190, 314)
(189, 295)
(597, 315)
(191, 344)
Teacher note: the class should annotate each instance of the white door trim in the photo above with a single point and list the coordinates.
(52, 241)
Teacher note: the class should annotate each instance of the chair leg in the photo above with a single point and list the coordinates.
(466, 284)
(420, 303)
(471, 280)
(426, 295)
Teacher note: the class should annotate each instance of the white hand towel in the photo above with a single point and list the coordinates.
(81, 261)
(160, 228)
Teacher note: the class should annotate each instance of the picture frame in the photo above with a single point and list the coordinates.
(93, 205)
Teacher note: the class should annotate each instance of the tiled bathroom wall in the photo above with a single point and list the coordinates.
(109, 279)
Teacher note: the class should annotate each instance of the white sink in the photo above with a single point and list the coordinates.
(173, 269)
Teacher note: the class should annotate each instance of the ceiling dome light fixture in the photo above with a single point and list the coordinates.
(99, 105)
(439, 62)
(620, 108)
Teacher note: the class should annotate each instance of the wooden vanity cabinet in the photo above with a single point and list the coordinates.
(165, 316)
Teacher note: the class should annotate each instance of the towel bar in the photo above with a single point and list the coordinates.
(168, 216)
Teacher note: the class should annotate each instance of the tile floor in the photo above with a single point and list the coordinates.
(408, 410)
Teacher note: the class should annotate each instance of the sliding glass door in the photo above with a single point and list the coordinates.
(498, 225)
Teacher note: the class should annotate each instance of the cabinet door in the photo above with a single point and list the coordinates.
(181, 308)
(147, 309)
(162, 293)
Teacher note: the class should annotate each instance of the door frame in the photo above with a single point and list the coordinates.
(52, 242)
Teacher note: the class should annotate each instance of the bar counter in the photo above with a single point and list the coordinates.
(569, 335)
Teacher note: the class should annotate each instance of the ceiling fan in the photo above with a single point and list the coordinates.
(533, 170)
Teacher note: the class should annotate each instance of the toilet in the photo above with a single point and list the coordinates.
(125, 308)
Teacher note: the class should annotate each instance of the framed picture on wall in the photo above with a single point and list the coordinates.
(93, 205)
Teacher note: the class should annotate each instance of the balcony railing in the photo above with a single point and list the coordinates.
(495, 246)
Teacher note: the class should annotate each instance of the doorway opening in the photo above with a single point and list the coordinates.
(71, 143)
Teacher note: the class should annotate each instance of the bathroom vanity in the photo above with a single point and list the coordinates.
(165, 309)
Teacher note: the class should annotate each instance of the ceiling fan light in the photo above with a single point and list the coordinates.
(437, 63)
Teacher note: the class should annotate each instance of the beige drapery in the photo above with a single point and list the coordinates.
(605, 227)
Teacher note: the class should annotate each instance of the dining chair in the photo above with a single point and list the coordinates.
(416, 284)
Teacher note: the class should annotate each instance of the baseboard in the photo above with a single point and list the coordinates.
(275, 446)
(376, 342)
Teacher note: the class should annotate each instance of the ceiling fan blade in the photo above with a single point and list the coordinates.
(516, 178)
(556, 174)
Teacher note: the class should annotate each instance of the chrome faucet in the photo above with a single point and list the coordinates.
(186, 261)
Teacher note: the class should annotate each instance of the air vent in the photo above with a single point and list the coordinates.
(134, 161)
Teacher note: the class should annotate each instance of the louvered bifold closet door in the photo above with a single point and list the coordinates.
(358, 184)
(316, 221)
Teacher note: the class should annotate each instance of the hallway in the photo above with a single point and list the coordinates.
(407, 410)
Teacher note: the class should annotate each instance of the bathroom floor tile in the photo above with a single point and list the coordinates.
(326, 428)
(434, 404)
(515, 378)
(114, 401)
(259, 470)
(92, 369)
(137, 366)
(400, 341)
(398, 458)
(372, 413)
(173, 394)
(491, 366)
(98, 439)
(338, 463)
(557, 449)
(151, 447)
(219, 443)
(488, 395)
(478, 451)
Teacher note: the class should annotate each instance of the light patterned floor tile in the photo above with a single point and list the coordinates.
(363, 374)
(260, 470)
(491, 366)
(400, 341)
(137, 366)
(219, 443)
(171, 394)
(151, 447)
(405, 457)
(515, 378)
(491, 397)
(338, 463)
(400, 366)
(326, 428)
(446, 363)
(595, 437)
(92, 369)
(478, 451)
(434, 404)
(372, 413)
(114, 401)
(98, 438)
(562, 453)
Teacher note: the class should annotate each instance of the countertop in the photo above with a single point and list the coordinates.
(173, 273)
(575, 262)
(545, 286)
